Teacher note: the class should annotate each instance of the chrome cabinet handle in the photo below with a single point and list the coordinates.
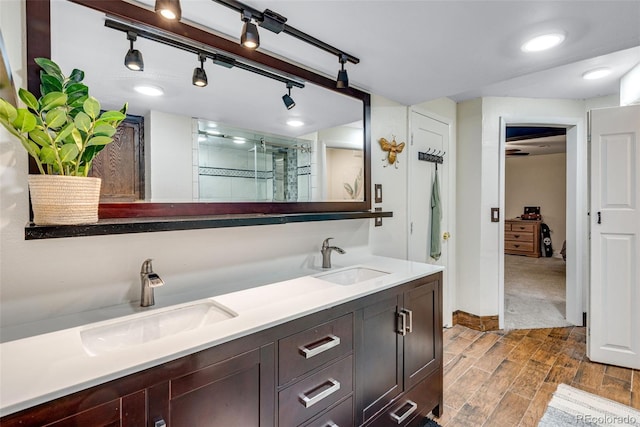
(402, 329)
(410, 322)
(160, 423)
(310, 401)
(308, 353)
(400, 418)
(331, 424)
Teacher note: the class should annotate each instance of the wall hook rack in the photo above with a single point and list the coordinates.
(432, 155)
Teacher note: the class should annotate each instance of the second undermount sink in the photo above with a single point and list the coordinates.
(352, 275)
(152, 326)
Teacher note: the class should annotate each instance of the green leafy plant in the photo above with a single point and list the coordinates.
(63, 130)
(354, 192)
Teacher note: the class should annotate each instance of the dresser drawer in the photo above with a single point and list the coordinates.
(314, 394)
(518, 236)
(411, 408)
(523, 227)
(518, 246)
(307, 350)
(340, 415)
(507, 226)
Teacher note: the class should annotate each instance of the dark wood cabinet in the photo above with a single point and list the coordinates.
(373, 361)
(400, 349)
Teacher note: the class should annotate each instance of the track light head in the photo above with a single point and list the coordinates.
(170, 9)
(250, 37)
(286, 98)
(199, 75)
(342, 82)
(133, 59)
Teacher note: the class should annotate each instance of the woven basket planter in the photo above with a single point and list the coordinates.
(64, 200)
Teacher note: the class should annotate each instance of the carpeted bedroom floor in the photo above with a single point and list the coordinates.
(534, 290)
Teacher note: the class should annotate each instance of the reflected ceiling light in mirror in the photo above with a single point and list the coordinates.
(286, 98)
(250, 37)
(295, 123)
(239, 140)
(149, 90)
(343, 79)
(543, 42)
(170, 9)
(199, 75)
(597, 73)
(133, 58)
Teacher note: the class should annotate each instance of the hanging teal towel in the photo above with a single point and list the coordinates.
(436, 216)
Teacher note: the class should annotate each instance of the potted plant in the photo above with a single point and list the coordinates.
(62, 131)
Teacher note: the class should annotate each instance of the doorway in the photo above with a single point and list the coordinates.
(576, 225)
(535, 216)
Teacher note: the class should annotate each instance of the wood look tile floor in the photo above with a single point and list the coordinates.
(506, 378)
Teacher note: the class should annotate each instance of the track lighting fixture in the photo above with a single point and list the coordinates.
(170, 9)
(199, 75)
(133, 58)
(343, 79)
(286, 98)
(250, 37)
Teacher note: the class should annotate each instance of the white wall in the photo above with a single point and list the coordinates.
(630, 87)
(539, 181)
(389, 119)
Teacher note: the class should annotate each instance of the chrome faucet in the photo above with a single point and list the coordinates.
(148, 280)
(326, 252)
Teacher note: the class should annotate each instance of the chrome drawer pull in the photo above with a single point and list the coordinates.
(333, 341)
(410, 321)
(310, 401)
(331, 424)
(402, 329)
(160, 423)
(399, 419)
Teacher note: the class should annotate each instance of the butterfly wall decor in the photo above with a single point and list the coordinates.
(393, 148)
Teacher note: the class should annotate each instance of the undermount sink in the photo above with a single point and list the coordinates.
(111, 337)
(351, 276)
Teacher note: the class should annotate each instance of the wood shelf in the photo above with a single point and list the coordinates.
(145, 225)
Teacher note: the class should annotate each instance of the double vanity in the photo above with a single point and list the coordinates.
(357, 345)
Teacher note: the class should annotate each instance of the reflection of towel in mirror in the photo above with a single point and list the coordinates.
(436, 216)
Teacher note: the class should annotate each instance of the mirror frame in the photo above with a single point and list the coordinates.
(38, 28)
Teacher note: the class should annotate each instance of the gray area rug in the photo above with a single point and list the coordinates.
(573, 407)
(534, 290)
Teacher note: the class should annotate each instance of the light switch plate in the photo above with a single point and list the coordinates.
(378, 220)
(378, 193)
(495, 214)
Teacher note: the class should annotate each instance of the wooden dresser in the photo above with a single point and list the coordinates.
(522, 237)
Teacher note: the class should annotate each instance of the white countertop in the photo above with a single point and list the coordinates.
(44, 367)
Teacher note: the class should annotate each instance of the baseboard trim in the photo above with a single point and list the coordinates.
(479, 323)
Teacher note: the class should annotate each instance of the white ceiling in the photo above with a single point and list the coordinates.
(416, 51)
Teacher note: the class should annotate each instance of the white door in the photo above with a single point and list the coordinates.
(429, 135)
(614, 306)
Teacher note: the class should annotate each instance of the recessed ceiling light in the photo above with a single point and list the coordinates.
(295, 123)
(543, 42)
(239, 140)
(149, 90)
(597, 73)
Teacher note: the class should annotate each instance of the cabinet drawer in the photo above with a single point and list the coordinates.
(340, 415)
(518, 246)
(413, 406)
(314, 394)
(518, 236)
(523, 227)
(307, 350)
(507, 226)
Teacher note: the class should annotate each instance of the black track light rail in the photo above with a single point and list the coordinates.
(261, 17)
(216, 58)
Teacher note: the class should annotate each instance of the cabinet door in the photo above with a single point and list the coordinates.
(379, 370)
(423, 344)
(228, 393)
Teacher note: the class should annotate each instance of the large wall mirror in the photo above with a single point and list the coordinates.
(231, 147)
